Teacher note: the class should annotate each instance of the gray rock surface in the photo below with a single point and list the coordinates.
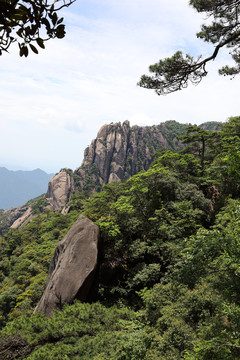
(22, 220)
(121, 151)
(59, 189)
(72, 267)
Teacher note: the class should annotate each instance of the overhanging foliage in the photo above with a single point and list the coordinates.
(30, 23)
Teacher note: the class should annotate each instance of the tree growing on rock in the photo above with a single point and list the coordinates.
(174, 73)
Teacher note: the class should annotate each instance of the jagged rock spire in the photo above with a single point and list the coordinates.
(118, 152)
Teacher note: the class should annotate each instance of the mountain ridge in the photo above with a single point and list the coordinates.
(20, 186)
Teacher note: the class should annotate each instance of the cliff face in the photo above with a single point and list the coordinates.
(15, 217)
(120, 151)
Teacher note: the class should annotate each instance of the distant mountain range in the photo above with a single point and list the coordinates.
(17, 187)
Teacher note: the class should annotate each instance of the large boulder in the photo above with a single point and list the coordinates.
(72, 267)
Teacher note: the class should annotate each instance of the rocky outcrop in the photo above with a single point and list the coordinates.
(72, 267)
(59, 189)
(15, 217)
(23, 219)
(120, 151)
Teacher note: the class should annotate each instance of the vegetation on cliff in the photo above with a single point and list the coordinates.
(168, 277)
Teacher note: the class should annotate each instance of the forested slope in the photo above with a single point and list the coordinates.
(169, 264)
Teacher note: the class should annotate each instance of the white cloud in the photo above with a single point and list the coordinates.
(141, 119)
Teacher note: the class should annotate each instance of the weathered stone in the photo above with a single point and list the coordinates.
(15, 217)
(120, 151)
(72, 267)
(59, 189)
(23, 219)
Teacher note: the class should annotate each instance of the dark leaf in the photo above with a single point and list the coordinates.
(60, 21)
(46, 23)
(25, 51)
(33, 49)
(60, 31)
(19, 32)
(40, 43)
(21, 52)
(54, 18)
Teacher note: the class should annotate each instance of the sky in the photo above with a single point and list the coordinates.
(53, 104)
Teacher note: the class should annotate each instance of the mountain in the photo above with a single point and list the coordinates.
(118, 152)
(121, 151)
(17, 187)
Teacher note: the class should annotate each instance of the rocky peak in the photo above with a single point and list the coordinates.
(120, 151)
(107, 154)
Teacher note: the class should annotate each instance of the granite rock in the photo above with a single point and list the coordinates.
(72, 267)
